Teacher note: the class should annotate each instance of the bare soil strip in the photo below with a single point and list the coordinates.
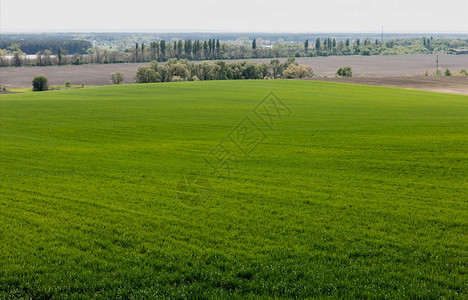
(453, 84)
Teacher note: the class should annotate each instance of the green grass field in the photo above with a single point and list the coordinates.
(357, 192)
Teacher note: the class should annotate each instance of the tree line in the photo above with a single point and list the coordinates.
(33, 46)
(185, 70)
(214, 49)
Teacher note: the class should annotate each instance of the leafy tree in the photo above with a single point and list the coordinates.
(136, 52)
(263, 70)
(344, 72)
(154, 50)
(47, 59)
(463, 72)
(40, 83)
(60, 56)
(162, 45)
(306, 46)
(179, 70)
(17, 55)
(276, 68)
(146, 75)
(180, 48)
(447, 72)
(288, 62)
(218, 48)
(117, 77)
(254, 44)
(297, 71)
(3, 53)
(67, 83)
(39, 58)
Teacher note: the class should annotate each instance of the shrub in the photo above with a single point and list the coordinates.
(297, 71)
(147, 75)
(344, 72)
(68, 83)
(77, 61)
(117, 77)
(177, 78)
(463, 72)
(447, 72)
(40, 83)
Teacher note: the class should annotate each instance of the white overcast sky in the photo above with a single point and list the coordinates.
(235, 16)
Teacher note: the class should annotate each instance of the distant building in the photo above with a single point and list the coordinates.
(458, 51)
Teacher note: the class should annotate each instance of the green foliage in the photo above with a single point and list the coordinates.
(67, 83)
(77, 61)
(297, 71)
(33, 46)
(463, 72)
(60, 56)
(117, 77)
(40, 83)
(447, 72)
(344, 72)
(147, 75)
(133, 49)
(359, 193)
(218, 70)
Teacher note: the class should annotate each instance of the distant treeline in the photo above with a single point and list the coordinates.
(33, 46)
(215, 49)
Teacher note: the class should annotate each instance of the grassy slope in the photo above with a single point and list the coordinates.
(361, 191)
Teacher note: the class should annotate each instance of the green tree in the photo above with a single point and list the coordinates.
(17, 55)
(137, 49)
(344, 72)
(263, 70)
(276, 68)
(254, 44)
(317, 45)
(117, 77)
(218, 48)
(60, 56)
(297, 71)
(147, 75)
(306, 46)
(162, 45)
(47, 59)
(40, 83)
(3, 53)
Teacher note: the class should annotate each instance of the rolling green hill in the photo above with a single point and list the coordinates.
(234, 189)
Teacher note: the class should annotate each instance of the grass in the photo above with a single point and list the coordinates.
(360, 192)
(52, 87)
